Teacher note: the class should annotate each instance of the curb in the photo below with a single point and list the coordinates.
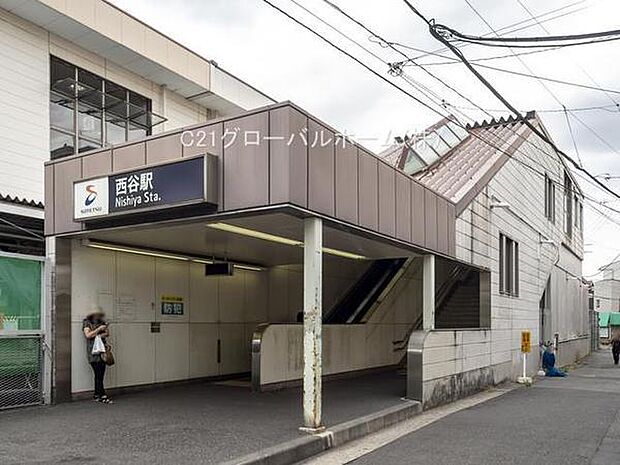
(302, 448)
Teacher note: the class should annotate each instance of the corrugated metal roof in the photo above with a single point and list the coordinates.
(19, 201)
(464, 167)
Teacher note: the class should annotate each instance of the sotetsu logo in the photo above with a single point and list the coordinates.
(92, 195)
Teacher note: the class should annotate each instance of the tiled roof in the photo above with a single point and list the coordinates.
(19, 201)
(392, 154)
(468, 164)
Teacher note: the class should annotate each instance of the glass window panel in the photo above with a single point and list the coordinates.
(86, 145)
(117, 112)
(458, 130)
(425, 152)
(92, 97)
(139, 101)
(412, 164)
(91, 80)
(136, 132)
(89, 122)
(115, 91)
(60, 70)
(61, 144)
(435, 141)
(61, 112)
(448, 135)
(115, 132)
(502, 272)
(20, 294)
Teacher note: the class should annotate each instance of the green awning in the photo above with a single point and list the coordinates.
(603, 319)
(606, 319)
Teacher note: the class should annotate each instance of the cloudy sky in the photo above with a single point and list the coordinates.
(260, 45)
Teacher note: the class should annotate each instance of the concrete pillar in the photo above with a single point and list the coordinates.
(428, 292)
(313, 300)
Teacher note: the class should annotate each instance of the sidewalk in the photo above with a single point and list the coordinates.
(197, 423)
(564, 421)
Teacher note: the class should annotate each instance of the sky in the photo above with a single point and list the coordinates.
(268, 50)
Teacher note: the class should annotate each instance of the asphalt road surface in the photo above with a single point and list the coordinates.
(573, 420)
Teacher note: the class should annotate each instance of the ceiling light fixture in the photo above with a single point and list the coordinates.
(149, 253)
(280, 239)
(253, 233)
(157, 254)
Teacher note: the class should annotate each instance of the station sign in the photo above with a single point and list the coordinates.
(161, 186)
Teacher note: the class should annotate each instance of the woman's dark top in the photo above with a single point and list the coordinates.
(92, 324)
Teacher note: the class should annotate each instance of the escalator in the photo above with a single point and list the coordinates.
(356, 303)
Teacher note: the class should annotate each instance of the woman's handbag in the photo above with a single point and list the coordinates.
(108, 357)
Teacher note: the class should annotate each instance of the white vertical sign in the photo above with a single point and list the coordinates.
(90, 198)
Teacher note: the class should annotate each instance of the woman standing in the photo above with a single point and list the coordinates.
(95, 325)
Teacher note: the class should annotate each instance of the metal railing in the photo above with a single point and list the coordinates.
(21, 370)
(456, 274)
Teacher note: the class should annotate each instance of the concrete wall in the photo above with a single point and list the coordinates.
(453, 364)
(129, 288)
(477, 241)
(346, 348)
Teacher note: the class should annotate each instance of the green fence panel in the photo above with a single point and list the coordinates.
(20, 294)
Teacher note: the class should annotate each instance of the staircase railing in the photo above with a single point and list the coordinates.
(456, 275)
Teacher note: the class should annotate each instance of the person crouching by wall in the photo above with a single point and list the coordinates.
(95, 325)
(548, 363)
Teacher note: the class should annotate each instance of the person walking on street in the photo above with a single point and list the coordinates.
(615, 346)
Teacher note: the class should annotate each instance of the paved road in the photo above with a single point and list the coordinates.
(198, 423)
(575, 420)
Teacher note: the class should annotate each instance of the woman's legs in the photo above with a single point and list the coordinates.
(99, 370)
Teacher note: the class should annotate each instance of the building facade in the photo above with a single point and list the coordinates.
(520, 215)
(224, 234)
(607, 289)
(78, 76)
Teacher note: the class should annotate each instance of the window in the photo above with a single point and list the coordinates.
(89, 112)
(578, 214)
(549, 199)
(508, 266)
(568, 205)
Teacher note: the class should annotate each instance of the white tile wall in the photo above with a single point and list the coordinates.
(24, 107)
(129, 288)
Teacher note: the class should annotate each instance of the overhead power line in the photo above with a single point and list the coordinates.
(542, 18)
(426, 105)
(572, 136)
(447, 31)
(540, 78)
(504, 101)
(544, 28)
(542, 83)
(608, 108)
(352, 57)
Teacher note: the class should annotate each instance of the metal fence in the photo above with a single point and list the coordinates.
(21, 368)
